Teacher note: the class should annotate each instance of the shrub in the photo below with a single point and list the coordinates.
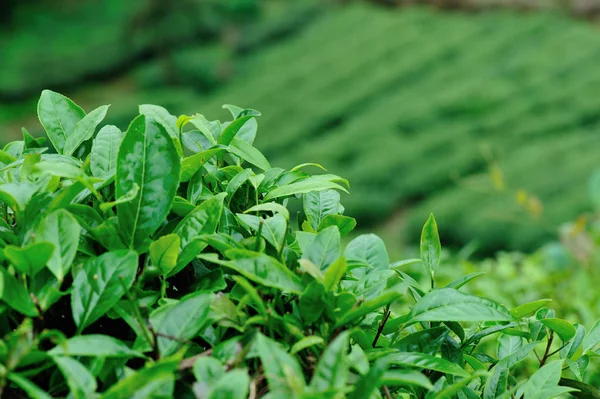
(164, 262)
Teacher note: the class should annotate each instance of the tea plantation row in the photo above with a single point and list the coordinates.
(407, 103)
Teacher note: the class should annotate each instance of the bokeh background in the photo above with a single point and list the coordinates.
(485, 112)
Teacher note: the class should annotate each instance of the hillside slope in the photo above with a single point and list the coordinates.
(413, 105)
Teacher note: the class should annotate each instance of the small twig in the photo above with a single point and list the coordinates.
(386, 316)
(388, 395)
(547, 352)
(189, 362)
(252, 394)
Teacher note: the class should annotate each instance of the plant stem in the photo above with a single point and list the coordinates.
(386, 316)
(547, 352)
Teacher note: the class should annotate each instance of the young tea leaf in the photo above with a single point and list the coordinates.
(147, 157)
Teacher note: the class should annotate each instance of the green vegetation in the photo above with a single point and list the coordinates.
(165, 262)
(412, 105)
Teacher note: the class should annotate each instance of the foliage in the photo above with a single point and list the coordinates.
(165, 262)
(166, 42)
(418, 119)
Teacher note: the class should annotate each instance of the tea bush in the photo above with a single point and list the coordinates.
(164, 262)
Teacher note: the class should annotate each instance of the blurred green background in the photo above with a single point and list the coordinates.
(485, 112)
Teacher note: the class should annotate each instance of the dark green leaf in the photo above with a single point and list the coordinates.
(180, 322)
(15, 295)
(282, 371)
(333, 368)
(31, 258)
(100, 284)
(79, 379)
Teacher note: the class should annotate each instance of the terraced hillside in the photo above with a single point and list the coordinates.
(412, 105)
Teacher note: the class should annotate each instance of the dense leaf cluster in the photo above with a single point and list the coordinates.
(164, 261)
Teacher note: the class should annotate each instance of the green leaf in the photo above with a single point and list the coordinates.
(250, 154)
(164, 252)
(162, 116)
(508, 344)
(60, 169)
(100, 284)
(335, 273)
(426, 362)
(586, 391)
(209, 129)
(405, 378)
(344, 223)
(270, 206)
(448, 304)
(180, 322)
(32, 390)
(368, 306)
(319, 204)
(273, 230)
(367, 250)
(564, 329)
(545, 378)
(15, 295)
(17, 195)
(201, 221)
(233, 385)
(58, 115)
(459, 282)
(237, 181)
(238, 112)
(368, 383)
(571, 348)
(156, 380)
(430, 246)
(261, 269)
(450, 391)
(191, 165)
(592, 338)
(282, 371)
(128, 197)
(147, 157)
(307, 342)
(332, 370)
(312, 269)
(31, 258)
(61, 229)
(84, 129)
(208, 370)
(105, 149)
(307, 185)
(529, 308)
(228, 134)
(497, 381)
(79, 379)
(325, 249)
(93, 345)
